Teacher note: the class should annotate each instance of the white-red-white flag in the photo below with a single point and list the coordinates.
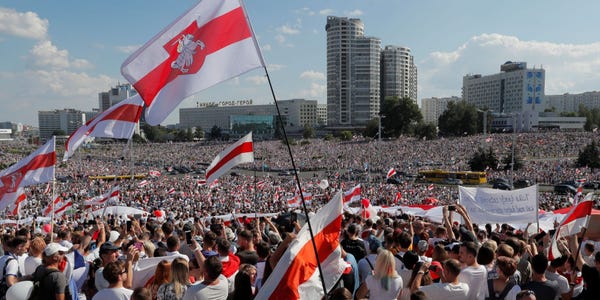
(110, 196)
(390, 173)
(577, 219)
(36, 168)
(143, 183)
(352, 195)
(19, 200)
(62, 208)
(210, 43)
(154, 173)
(367, 210)
(117, 122)
(240, 152)
(52, 206)
(296, 275)
(430, 187)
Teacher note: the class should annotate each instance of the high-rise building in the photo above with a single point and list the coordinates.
(353, 73)
(66, 120)
(398, 73)
(516, 91)
(571, 102)
(115, 95)
(433, 108)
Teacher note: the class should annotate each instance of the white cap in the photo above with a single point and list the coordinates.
(114, 235)
(54, 248)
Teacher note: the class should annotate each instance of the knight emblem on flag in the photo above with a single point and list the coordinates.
(186, 47)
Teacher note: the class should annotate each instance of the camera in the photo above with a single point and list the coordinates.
(451, 208)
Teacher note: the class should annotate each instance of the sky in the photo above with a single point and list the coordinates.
(61, 54)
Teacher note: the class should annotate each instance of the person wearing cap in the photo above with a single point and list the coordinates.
(51, 280)
(109, 253)
(422, 247)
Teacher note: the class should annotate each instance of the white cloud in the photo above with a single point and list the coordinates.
(45, 55)
(315, 90)
(305, 11)
(257, 80)
(27, 24)
(572, 68)
(287, 29)
(265, 47)
(312, 75)
(275, 67)
(354, 13)
(127, 49)
(327, 12)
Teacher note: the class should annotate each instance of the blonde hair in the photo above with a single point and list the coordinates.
(180, 275)
(385, 268)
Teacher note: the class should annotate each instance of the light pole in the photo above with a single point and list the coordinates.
(512, 157)
(379, 132)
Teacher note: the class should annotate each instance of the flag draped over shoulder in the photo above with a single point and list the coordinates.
(577, 219)
(36, 168)
(296, 275)
(240, 152)
(117, 122)
(210, 43)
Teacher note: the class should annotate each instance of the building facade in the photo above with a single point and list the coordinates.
(433, 108)
(398, 73)
(66, 120)
(115, 95)
(570, 102)
(516, 90)
(353, 73)
(296, 114)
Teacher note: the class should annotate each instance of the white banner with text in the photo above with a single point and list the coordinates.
(486, 205)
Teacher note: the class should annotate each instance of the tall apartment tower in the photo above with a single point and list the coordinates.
(67, 120)
(516, 90)
(353, 73)
(433, 108)
(115, 95)
(398, 73)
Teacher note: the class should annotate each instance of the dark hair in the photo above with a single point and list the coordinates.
(485, 255)
(213, 267)
(112, 271)
(16, 241)
(470, 247)
(263, 249)
(141, 293)
(210, 238)
(452, 266)
(245, 234)
(167, 228)
(559, 262)
(403, 239)
(539, 263)
(172, 243)
(507, 265)
(223, 246)
(340, 293)
(418, 295)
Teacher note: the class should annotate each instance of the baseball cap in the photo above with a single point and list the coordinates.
(374, 244)
(113, 236)
(54, 248)
(107, 247)
(436, 270)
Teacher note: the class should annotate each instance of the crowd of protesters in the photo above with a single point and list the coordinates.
(396, 257)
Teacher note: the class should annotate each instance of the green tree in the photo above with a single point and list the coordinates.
(278, 130)
(59, 132)
(152, 133)
(482, 160)
(460, 118)
(199, 133)
(215, 133)
(425, 130)
(346, 135)
(308, 132)
(400, 116)
(372, 128)
(589, 156)
(508, 161)
(138, 139)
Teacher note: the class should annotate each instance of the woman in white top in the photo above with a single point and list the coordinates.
(384, 283)
(36, 247)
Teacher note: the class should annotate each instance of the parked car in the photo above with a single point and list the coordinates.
(591, 185)
(565, 189)
(522, 183)
(502, 186)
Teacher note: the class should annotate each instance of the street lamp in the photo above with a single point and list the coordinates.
(379, 132)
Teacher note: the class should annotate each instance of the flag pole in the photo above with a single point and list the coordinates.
(312, 237)
(53, 197)
(537, 208)
(255, 198)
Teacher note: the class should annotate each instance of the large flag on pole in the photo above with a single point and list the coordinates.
(296, 275)
(19, 200)
(240, 152)
(577, 219)
(352, 195)
(210, 43)
(112, 195)
(36, 168)
(117, 122)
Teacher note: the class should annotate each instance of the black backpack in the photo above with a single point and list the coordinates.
(511, 283)
(35, 292)
(3, 284)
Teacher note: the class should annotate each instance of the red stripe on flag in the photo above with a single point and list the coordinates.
(581, 210)
(218, 33)
(127, 113)
(305, 263)
(245, 147)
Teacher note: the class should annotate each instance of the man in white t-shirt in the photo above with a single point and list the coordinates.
(474, 275)
(115, 273)
(449, 289)
(9, 263)
(564, 290)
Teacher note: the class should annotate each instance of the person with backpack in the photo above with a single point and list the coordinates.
(10, 272)
(48, 279)
(504, 286)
